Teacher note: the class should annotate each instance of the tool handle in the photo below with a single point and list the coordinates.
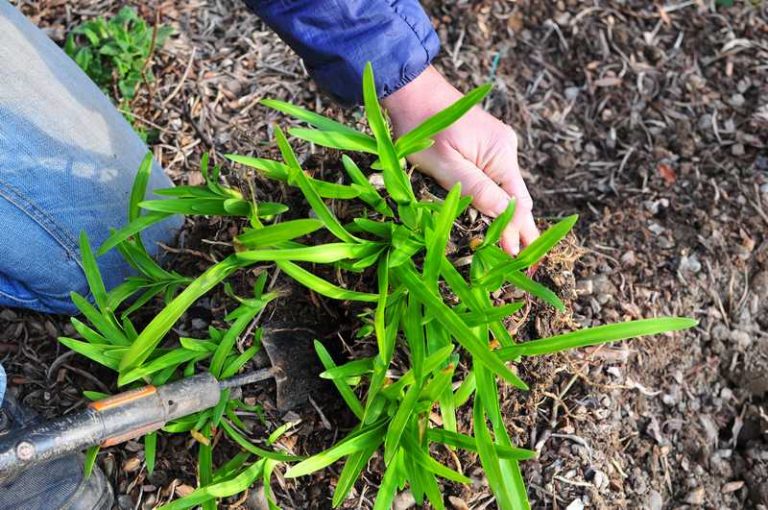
(106, 422)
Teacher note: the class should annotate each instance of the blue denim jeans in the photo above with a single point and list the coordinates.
(67, 163)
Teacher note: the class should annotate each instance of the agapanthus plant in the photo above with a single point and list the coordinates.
(434, 314)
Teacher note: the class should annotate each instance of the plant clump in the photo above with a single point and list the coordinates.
(421, 304)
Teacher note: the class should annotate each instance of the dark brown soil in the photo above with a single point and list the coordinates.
(651, 122)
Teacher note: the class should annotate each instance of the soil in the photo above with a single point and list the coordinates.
(649, 121)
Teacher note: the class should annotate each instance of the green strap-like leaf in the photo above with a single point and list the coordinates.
(104, 323)
(386, 348)
(155, 331)
(279, 232)
(93, 351)
(431, 363)
(150, 451)
(320, 254)
(498, 225)
(389, 483)
(489, 458)
(490, 315)
(223, 489)
(185, 191)
(312, 118)
(468, 443)
(535, 251)
(413, 330)
(88, 333)
(346, 392)
(400, 422)
(352, 368)
(140, 260)
(229, 468)
(139, 188)
(211, 207)
(349, 474)
(247, 445)
(321, 286)
(137, 225)
(227, 343)
(423, 458)
(369, 437)
(368, 194)
(492, 254)
(299, 178)
(395, 179)
(234, 366)
(597, 335)
(340, 140)
(280, 172)
(90, 461)
(458, 329)
(381, 229)
(171, 359)
(438, 241)
(523, 282)
(441, 120)
(510, 470)
(272, 169)
(92, 273)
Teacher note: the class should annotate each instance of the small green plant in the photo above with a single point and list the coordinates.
(108, 335)
(116, 54)
(436, 316)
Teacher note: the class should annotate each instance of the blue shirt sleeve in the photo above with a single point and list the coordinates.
(337, 37)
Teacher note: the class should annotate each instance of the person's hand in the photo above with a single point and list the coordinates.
(478, 150)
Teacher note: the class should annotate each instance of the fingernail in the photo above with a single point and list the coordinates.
(511, 241)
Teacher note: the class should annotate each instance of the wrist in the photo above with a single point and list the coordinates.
(424, 96)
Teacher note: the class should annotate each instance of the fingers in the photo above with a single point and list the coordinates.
(510, 240)
(523, 220)
(448, 165)
(487, 196)
(506, 170)
(490, 199)
(528, 230)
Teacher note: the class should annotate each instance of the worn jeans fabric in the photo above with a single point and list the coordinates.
(2, 383)
(67, 163)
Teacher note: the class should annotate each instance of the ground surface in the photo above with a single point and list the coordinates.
(650, 123)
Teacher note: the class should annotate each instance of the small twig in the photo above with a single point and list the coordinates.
(758, 205)
(88, 376)
(183, 79)
(143, 120)
(187, 251)
(57, 362)
(323, 419)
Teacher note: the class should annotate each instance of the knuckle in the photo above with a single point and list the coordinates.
(501, 150)
(511, 136)
(481, 192)
(507, 137)
(524, 201)
(476, 189)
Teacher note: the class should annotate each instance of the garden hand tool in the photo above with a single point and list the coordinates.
(133, 413)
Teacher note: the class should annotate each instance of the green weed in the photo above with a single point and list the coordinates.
(422, 304)
(116, 54)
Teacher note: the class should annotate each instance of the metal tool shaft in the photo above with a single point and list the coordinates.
(249, 378)
(107, 422)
